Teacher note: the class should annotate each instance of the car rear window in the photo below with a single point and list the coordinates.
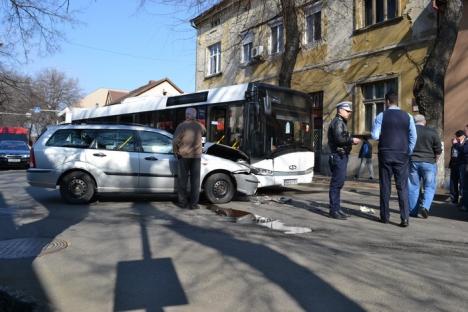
(78, 138)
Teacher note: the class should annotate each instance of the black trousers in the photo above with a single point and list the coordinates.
(456, 182)
(188, 167)
(396, 164)
(338, 164)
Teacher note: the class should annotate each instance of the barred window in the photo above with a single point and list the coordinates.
(377, 11)
(373, 95)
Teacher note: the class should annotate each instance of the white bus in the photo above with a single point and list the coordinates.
(271, 125)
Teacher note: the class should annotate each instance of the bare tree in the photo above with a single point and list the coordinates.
(429, 85)
(28, 24)
(14, 94)
(292, 42)
(51, 91)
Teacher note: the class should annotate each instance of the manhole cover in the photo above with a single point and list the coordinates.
(29, 247)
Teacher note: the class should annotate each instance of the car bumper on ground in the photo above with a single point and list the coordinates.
(246, 183)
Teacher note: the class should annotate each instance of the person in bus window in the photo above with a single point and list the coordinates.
(187, 146)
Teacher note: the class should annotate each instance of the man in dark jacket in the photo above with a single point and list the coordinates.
(455, 165)
(423, 166)
(340, 143)
(187, 146)
(396, 133)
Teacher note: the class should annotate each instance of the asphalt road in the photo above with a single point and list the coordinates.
(145, 254)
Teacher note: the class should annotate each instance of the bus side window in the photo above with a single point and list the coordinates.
(217, 125)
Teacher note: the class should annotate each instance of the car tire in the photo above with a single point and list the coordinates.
(219, 188)
(77, 187)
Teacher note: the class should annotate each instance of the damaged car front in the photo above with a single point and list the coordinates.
(225, 170)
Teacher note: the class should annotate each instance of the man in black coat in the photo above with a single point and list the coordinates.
(340, 143)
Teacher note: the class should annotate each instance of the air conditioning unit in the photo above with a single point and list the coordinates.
(257, 52)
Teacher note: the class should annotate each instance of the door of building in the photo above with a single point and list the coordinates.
(317, 115)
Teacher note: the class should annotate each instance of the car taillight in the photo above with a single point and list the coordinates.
(32, 159)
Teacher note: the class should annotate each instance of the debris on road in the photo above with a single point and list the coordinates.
(239, 216)
(365, 209)
(280, 226)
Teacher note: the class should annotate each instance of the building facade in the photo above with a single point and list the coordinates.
(350, 50)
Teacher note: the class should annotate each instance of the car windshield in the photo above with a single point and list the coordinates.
(14, 145)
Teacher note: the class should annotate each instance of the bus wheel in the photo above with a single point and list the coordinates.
(77, 188)
(219, 188)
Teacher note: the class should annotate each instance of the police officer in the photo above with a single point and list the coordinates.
(340, 143)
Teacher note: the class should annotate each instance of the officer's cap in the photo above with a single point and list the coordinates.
(346, 105)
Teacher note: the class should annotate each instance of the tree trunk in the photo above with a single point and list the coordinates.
(291, 47)
(429, 85)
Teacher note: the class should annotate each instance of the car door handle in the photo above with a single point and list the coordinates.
(99, 155)
(151, 158)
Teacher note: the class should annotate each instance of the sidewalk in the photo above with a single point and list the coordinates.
(442, 194)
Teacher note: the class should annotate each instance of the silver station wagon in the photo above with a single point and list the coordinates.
(86, 159)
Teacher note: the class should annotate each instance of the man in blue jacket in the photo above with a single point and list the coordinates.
(396, 132)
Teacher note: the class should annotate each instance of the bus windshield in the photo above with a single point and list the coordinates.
(283, 123)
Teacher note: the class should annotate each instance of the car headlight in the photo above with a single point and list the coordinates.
(25, 156)
(2, 155)
(261, 171)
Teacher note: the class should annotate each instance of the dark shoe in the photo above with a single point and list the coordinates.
(193, 207)
(385, 221)
(343, 214)
(182, 205)
(404, 223)
(424, 213)
(336, 215)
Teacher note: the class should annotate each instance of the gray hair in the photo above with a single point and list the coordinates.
(419, 119)
(190, 113)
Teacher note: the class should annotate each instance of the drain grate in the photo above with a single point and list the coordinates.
(30, 247)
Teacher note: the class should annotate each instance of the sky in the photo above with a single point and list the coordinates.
(119, 45)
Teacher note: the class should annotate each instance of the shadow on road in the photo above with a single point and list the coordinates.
(148, 284)
(19, 274)
(307, 289)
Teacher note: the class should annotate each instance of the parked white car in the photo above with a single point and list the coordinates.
(86, 159)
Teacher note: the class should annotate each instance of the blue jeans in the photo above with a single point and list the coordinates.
(427, 173)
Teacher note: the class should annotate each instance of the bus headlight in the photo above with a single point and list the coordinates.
(261, 171)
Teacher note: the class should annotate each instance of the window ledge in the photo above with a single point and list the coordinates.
(313, 45)
(252, 62)
(276, 55)
(386, 23)
(213, 75)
